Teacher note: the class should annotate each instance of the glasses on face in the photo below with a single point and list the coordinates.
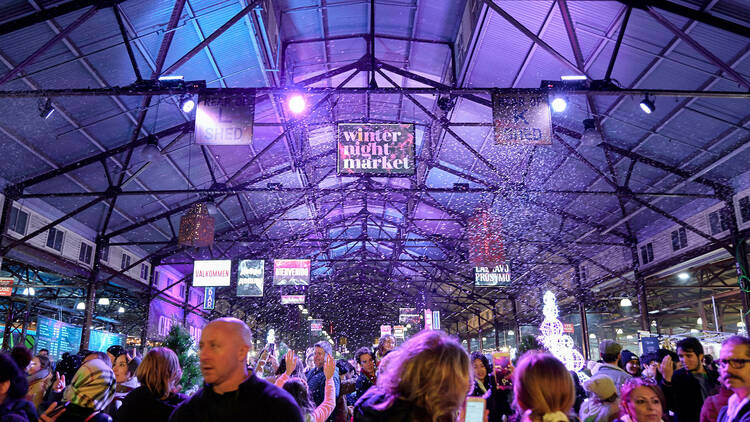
(734, 363)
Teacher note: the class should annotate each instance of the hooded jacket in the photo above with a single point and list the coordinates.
(373, 407)
(16, 410)
(684, 396)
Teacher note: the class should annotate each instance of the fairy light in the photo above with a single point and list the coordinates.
(553, 338)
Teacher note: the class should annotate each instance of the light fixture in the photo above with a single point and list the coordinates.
(28, 291)
(629, 337)
(484, 338)
(591, 136)
(211, 207)
(297, 104)
(653, 323)
(120, 310)
(304, 311)
(168, 78)
(81, 306)
(741, 324)
(699, 321)
(511, 333)
(408, 326)
(619, 331)
(151, 151)
(103, 301)
(46, 109)
(647, 105)
(626, 303)
(445, 103)
(694, 331)
(573, 77)
(592, 335)
(559, 104)
(187, 103)
(683, 276)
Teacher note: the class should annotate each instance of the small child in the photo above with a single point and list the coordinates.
(603, 404)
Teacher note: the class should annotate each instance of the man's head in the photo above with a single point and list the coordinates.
(43, 352)
(322, 348)
(610, 350)
(690, 352)
(365, 360)
(734, 365)
(224, 345)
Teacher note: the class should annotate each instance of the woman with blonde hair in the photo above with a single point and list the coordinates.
(159, 374)
(427, 380)
(543, 388)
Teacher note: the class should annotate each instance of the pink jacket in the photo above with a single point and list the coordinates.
(713, 404)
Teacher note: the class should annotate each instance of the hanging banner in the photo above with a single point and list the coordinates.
(398, 331)
(316, 326)
(385, 330)
(522, 117)
(427, 319)
(484, 232)
(385, 149)
(649, 345)
(212, 273)
(497, 276)
(292, 299)
(225, 119)
(250, 274)
(435, 320)
(209, 298)
(408, 316)
(291, 272)
(568, 328)
(6, 286)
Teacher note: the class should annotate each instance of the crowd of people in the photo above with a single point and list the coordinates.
(430, 377)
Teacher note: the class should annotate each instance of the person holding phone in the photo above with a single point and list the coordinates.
(543, 388)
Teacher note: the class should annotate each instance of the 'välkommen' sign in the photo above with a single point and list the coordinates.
(383, 149)
(522, 117)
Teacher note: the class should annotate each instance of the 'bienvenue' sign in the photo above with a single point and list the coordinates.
(384, 149)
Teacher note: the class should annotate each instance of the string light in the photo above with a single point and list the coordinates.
(559, 344)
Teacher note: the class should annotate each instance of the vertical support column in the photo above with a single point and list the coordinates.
(468, 336)
(640, 286)
(8, 325)
(517, 327)
(88, 315)
(151, 281)
(496, 325)
(480, 342)
(740, 256)
(582, 309)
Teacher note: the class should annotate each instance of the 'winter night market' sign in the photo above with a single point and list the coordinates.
(522, 117)
(376, 149)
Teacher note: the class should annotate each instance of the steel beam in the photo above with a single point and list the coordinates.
(53, 12)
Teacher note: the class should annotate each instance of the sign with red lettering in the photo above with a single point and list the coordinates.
(292, 299)
(367, 149)
(225, 119)
(212, 273)
(568, 328)
(6, 286)
(522, 117)
(398, 331)
(385, 330)
(291, 272)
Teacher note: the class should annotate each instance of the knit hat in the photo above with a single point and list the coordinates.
(601, 385)
(609, 347)
(627, 356)
(92, 386)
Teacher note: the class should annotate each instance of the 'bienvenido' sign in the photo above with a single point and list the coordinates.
(376, 149)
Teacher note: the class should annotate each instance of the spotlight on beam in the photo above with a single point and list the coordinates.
(626, 303)
(559, 104)
(187, 103)
(46, 109)
(647, 105)
(683, 276)
(297, 104)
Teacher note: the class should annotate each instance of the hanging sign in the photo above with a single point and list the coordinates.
(250, 273)
(6, 286)
(484, 232)
(212, 273)
(435, 320)
(497, 276)
(649, 345)
(209, 298)
(427, 319)
(568, 328)
(385, 330)
(366, 149)
(316, 325)
(522, 117)
(291, 272)
(292, 299)
(398, 331)
(225, 119)
(408, 316)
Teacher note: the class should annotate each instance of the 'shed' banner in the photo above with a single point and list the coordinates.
(385, 149)
(522, 117)
(224, 119)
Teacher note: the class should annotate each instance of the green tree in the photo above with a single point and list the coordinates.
(181, 343)
(528, 342)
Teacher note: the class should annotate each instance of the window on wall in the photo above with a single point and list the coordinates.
(745, 209)
(144, 271)
(182, 290)
(84, 255)
(719, 220)
(647, 253)
(679, 239)
(125, 263)
(18, 220)
(105, 254)
(55, 239)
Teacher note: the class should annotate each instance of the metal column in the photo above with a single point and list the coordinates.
(740, 256)
(88, 316)
(584, 331)
(640, 286)
(8, 325)
(151, 281)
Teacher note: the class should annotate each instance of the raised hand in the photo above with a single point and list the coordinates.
(666, 367)
(52, 413)
(329, 367)
(291, 362)
(59, 384)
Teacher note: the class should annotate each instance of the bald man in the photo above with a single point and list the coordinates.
(229, 394)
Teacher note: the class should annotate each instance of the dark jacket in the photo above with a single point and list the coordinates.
(369, 408)
(488, 383)
(341, 411)
(255, 399)
(17, 410)
(316, 383)
(684, 396)
(498, 402)
(363, 384)
(142, 406)
(74, 413)
(742, 416)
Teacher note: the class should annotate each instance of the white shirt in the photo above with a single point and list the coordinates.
(734, 405)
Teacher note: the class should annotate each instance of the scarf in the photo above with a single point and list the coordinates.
(40, 375)
(92, 386)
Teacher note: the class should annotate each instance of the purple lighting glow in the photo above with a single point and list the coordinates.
(297, 104)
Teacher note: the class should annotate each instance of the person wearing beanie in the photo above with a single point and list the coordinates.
(603, 404)
(89, 393)
(630, 363)
(610, 352)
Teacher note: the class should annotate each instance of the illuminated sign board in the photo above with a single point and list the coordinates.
(6, 286)
(292, 299)
(212, 273)
(250, 274)
(497, 276)
(316, 325)
(385, 330)
(291, 272)
(376, 149)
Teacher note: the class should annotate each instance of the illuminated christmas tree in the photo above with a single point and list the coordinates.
(552, 337)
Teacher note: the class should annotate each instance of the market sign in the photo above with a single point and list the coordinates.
(435, 320)
(568, 328)
(6, 286)
(292, 299)
(649, 344)
(398, 331)
(522, 117)
(224, 119)
(209, 298)
(497, 276)
(212, 273)
(291, 272)
(427, 319)
(408, 316)
(250, 273)
(316, 325)
(366, 149)
(385, 330)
